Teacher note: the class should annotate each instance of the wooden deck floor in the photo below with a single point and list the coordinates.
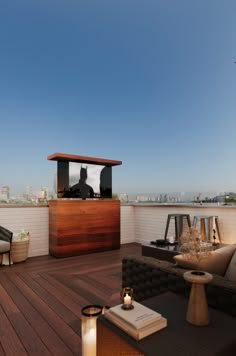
(41, 300)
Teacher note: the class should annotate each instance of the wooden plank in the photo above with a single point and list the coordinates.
(14, 327)
(43, 321)
(10, 343)
(73, 301)
(41, 300)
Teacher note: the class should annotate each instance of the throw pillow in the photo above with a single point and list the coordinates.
(231, 270)
(216, 262)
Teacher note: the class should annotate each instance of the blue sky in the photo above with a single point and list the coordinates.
(149, 82)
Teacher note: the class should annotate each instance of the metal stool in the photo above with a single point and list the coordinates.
(179, 223)
(209, 226)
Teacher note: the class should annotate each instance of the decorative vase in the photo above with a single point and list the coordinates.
(19, 250)
(197, 313)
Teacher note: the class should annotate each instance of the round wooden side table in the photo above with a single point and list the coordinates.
(197, 313)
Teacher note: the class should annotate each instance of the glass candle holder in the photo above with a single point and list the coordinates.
(89, 316)
(127, 298)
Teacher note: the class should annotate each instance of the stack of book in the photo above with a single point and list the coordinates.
(138, 322)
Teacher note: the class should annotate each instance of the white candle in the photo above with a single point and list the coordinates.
(89, 333)
(214, 223)
(127, 299)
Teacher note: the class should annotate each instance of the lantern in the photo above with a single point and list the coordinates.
(127, 298)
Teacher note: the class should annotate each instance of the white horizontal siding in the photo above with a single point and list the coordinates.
(32, 219)
(150, 221)
(127, 224)
(139, 223)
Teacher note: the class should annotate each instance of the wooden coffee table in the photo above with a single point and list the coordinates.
(178, 338)
(160, 252)
(166, 253)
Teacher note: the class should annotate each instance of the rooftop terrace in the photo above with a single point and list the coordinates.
(41, 298)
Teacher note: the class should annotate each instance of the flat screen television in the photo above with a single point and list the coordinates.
(83, 180)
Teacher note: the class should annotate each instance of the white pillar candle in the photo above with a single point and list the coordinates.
(89, 316)
(214, 223)
(89, 336)
(127, 299)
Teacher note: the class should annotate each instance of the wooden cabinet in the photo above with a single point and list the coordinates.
(79, 227)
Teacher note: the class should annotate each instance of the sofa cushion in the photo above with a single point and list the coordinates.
(217, 262)
(231, 269)
(4, 246)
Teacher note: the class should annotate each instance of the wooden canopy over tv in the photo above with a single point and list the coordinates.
(83, 159)
(79, 226)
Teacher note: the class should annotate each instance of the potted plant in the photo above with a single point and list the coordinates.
(20, 247)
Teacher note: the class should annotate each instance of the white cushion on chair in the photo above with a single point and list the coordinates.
(4, 246)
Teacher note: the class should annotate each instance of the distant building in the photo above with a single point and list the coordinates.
(123, 198)
(225, 197)
(55, 184)
(142, 198)
(5, 192)
(219, 198)
(28, 194)
(43, 194)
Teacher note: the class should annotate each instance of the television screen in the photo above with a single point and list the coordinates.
(84, 181)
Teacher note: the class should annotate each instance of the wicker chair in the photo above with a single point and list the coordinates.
(5, 242)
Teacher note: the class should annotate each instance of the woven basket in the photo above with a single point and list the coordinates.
(19, 250)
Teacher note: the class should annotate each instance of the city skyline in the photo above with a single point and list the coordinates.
(49, 193)
(150, 83)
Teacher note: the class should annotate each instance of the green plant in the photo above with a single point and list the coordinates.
(23, 235)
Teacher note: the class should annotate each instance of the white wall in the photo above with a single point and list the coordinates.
(139, 223)
(127, 224)
(150, 220)
(32, 219)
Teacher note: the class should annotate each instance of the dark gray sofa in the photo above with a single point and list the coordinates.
(149, 277)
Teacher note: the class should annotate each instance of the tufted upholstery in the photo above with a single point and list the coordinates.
(149, 277)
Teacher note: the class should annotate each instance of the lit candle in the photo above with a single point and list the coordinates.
(89, 337)
(127, 299)
(214, 223)
(89, 316)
